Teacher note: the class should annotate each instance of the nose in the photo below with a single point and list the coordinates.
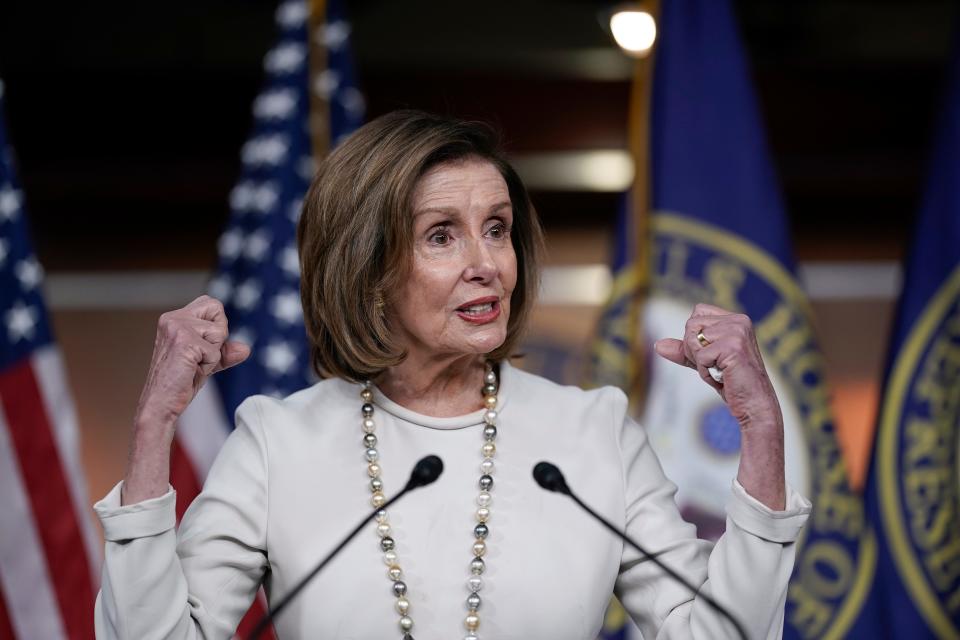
(481, 266)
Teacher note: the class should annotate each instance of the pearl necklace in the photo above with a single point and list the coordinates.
(484, 499)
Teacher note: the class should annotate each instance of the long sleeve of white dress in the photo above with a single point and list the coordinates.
(291, 480)
(747, 570)
(149, 585)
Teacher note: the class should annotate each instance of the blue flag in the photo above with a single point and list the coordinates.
(913, 479)
(718, 234)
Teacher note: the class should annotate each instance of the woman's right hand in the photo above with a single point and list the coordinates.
(190, 346)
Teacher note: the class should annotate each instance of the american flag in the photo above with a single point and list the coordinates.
(49, 549)
(258, 274)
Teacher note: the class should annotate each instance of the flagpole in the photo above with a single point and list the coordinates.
(638, 132)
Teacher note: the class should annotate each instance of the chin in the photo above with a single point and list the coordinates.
(487, 342)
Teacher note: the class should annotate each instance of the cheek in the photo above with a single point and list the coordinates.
(429, 286)
(508, 271)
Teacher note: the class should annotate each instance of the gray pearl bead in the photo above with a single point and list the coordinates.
(486, 482)
(387, 543)
(367, 409)
(490, 432)
(369, 440)
(372, 454)
(376, 484)
(399, 588)
(489, 389)
(473, 602)
(477, 565)
(481, 531)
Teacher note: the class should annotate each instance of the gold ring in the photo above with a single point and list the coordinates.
(702, 339)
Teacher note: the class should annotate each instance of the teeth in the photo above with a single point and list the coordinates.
(478, 308)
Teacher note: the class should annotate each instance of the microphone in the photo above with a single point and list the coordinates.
(550, 478)
(425, 472)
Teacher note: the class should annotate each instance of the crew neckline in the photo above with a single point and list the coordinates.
(452, 422)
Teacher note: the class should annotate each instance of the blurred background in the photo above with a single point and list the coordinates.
(128, 120)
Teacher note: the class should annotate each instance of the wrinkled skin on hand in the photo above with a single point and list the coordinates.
(190, 346)
(731, 346)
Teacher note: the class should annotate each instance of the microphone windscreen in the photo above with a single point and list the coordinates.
(549, 477)
(426, 471)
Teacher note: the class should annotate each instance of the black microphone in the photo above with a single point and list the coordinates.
(550, 478)
(426, 471)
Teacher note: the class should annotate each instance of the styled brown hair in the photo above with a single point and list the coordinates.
(356, 237)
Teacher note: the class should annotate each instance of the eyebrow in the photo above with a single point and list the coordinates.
(453, 211)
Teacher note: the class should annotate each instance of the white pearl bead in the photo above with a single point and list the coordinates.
(490, 416)
(471, 622)
(471, 636)
(475, 583)
(383, 529)
(378, 499)
(406, 623)
(373, 470)
(488, 449)
(403, 605)
(479, 548)
(483, 514)
(484, 499)
(490, 377)
(369, 426)
(390, 557)
(486, 466)
(395, 573)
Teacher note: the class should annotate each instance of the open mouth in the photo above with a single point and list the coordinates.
(480, 311)
(477, 309)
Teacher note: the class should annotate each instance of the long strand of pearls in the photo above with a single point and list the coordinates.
(480, 531)
(484, 500)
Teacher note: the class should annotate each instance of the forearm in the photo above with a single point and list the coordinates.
(761, 471)
(148, 464)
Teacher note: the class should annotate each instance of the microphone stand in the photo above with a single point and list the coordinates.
(550, 478)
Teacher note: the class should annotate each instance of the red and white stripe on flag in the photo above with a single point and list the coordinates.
(49, 549)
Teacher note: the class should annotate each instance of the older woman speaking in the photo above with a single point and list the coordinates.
(419, 250)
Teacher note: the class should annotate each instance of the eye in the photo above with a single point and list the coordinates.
(440, 236)
(498, 231)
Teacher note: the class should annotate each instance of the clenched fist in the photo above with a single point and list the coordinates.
(191, 345)
(717, 339)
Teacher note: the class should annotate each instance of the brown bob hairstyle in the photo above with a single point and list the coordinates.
(356, 237)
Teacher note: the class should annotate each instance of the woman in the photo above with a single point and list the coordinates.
(419, 253)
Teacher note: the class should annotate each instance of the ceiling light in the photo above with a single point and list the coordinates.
(634, 30)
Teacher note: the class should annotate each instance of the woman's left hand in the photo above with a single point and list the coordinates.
(715, 337)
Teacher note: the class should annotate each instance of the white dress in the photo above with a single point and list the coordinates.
(291, 480)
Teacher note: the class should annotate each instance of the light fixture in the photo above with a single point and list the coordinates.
(634, 29)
